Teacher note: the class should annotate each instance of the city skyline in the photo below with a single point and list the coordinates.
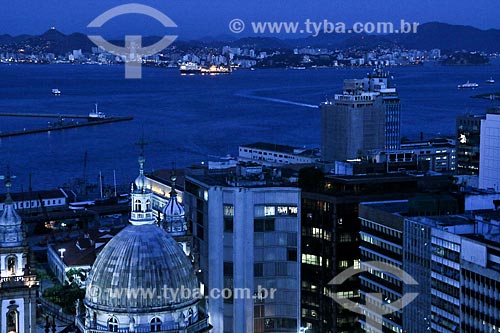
(198, 19)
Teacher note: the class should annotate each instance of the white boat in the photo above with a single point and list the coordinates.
(468, 85)
(490, 80)
(96, 114)
(56, 91)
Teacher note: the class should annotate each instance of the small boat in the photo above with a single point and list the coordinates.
(490, 80)
(468, 85)
(56, 92)
(96, 115)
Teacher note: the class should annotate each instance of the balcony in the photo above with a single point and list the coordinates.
(18, 281)
(200, 326)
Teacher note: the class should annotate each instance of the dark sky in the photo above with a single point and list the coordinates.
(198, 18)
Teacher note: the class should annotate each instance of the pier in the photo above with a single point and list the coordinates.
(42, 115)
(59, 125)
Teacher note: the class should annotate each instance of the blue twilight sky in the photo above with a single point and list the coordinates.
(199, 18)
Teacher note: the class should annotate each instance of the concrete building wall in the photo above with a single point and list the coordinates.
(489, 155)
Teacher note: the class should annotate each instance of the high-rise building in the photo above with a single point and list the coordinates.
(366, 116)
(455, 260)
(489, 155)
(19, 286)
(468, 138)
(246, 228)
(331, 240)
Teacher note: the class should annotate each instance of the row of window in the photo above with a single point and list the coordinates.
(36, 203)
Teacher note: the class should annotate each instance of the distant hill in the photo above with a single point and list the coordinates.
(435, 35)
(431, 35)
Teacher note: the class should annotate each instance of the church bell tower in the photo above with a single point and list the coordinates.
(18, 285)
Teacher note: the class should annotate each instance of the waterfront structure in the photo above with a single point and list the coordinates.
(142, 257)
(19, 285)
(33, 201)
(366, 116)
(246, 226)
(276, 155)
(468, 138)
(489, 154)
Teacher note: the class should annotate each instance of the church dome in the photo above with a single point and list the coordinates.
(173, 209)
(141, 258)
(140, 182)
(9, 216)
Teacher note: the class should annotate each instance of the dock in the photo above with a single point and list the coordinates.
(58, 126)
(42, 115)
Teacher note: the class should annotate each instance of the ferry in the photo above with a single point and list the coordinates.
(216, 70)
(96, 115)
(490, 80)
(190, 68)
(56, 92)
(468, 85)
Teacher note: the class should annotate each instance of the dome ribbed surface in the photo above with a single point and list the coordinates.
(138, 258)
(173, 208)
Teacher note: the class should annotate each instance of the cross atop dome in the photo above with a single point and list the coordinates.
(8, 185)
(140, 181)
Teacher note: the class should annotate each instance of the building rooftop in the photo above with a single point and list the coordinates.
(247, 174)
(282, 148)
(35, 195)
(83, 250)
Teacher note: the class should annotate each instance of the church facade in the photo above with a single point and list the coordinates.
(142, 281)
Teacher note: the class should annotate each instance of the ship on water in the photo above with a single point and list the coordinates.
(212, 70)
(188, 68)
(191, 68)
(95, 115)
(468, 85)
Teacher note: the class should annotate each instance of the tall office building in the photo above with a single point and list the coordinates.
(366, 116)
(468, 139)
(454, 258)
(331, 240)
(489, 158)
(246, 227)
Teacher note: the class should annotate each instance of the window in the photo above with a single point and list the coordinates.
(155, 324)
(291, 254)
(228, 210)
(228, 269)
(228, 224)
(258, 270)
(113, 324)
(11, 265)
(261, 225)
(148, 205)
(137, 205)
(12, 321)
